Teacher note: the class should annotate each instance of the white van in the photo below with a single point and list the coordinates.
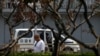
(71, 45)
(27, 41)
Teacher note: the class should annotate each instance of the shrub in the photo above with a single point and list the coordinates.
(49, 54)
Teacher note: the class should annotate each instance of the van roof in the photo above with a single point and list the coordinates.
(25, 29)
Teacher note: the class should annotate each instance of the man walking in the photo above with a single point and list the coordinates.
(39, 45)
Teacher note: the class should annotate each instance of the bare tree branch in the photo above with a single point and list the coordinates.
(59, 4)
(8, 18)
(97, 42)
(77, 12)
(68, 10)
(89, 17)
(14, 25)
(88, 22)
(90, 27)
(13, 42)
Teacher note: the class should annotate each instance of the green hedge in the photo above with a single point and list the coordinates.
(29, 54)
(49, 54)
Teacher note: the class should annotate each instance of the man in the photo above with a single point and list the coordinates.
(39, 45)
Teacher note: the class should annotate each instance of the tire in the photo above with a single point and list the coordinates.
(68, 49)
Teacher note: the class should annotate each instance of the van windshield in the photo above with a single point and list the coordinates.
(29, 35)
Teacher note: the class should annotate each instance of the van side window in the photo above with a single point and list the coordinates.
(29, 35)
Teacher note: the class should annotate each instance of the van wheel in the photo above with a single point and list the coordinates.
(68, 49)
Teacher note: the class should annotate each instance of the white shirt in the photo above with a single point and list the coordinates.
(39, 46)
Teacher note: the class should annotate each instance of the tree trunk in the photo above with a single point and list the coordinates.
(0, 6)
(55, 50)
(96, 51)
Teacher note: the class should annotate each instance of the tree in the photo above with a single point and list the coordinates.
(23, 12)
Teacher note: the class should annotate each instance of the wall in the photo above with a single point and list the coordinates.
(80, 34)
